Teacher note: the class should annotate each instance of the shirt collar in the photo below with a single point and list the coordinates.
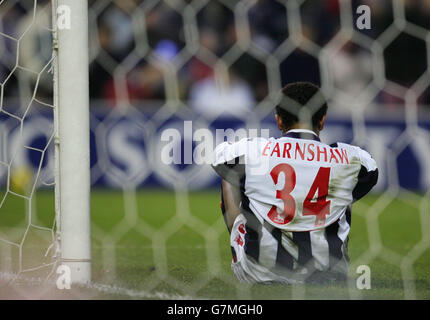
(301, 134)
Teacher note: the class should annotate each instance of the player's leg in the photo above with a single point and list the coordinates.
(230, 202)
(244, 268)
(248, 268)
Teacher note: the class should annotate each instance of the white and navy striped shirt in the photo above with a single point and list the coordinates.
(296, 194)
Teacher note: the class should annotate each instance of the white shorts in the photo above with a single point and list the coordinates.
(248, 270)
(244, 267)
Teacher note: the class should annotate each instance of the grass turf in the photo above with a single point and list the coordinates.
(156, 241)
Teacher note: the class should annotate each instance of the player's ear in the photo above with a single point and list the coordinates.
(322, 123)
(279, 122)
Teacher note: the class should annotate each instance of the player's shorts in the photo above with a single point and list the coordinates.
(279, 259)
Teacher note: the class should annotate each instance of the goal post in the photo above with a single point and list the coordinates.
(73, 174)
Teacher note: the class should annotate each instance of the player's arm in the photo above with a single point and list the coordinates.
(230, 203)
(229, 164)
(367, 177)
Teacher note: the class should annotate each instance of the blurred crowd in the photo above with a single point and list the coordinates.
(126, 28)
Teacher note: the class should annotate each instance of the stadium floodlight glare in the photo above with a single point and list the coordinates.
(73, 138)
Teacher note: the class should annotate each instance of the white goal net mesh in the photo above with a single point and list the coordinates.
(27, 236)
(155, 65)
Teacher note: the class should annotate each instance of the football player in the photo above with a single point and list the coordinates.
(287, 201)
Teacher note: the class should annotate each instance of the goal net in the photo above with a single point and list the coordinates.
(28, 228)
(162, 69)
(44, 120)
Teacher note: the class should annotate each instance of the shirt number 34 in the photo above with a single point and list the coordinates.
(319, 208)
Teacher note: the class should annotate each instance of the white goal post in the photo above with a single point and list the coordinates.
(72, 140)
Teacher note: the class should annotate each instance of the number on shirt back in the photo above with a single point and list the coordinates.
(289, 203)
(318, 206)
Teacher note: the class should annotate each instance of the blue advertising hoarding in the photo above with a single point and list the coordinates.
(126, 146)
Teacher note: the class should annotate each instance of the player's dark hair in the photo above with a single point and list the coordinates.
(301, 93)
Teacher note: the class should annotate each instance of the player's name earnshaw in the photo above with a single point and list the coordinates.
(306, 152)
(216, 309)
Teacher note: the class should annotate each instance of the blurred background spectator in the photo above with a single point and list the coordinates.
(121, 24)
(34, 50)
(268, 23)
(233, 99)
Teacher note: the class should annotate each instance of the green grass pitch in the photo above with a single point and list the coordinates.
(138, 238)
